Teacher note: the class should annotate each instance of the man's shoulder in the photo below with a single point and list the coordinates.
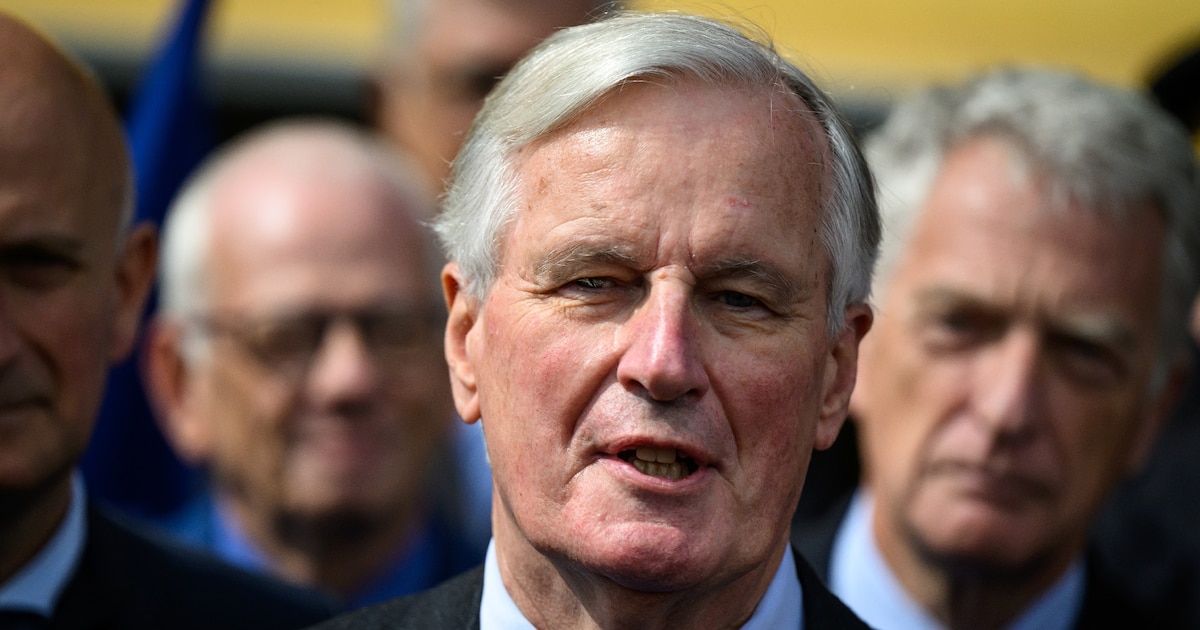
(822, 609)
(134, 579)
(454, 604)
(1110, 602)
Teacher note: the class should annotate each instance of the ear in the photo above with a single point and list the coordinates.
(841, 370)
(1155, 416)
(170, 386)
(460, 326)
(135, 274)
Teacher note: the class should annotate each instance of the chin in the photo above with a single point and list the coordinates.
(648, 557)
(991, 550)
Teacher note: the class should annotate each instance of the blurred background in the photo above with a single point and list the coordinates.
(271, 57)
(186, 85)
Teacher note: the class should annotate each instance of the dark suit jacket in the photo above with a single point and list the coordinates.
(129, 580)
(1105, 602)
(455, 606)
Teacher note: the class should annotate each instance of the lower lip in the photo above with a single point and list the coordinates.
(625, 472)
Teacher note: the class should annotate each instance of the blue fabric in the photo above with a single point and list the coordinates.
(861, 577)
(170, 129)
(436, 554)
(37, 585)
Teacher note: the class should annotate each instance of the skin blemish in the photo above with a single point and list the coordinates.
(737, 202)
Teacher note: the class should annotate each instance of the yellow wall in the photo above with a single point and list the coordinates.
(866, 48)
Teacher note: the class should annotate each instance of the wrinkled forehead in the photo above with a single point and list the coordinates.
(741, 167)
(767, 132)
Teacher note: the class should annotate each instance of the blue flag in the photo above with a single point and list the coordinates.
(170, 129)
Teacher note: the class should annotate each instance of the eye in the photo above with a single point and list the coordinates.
(37, 268)
(284, 340)
(738, 300)
(1087, 362)
(958, 328)
(593, 284)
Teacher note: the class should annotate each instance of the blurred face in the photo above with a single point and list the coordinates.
(465, 46)
(1005, 387)
(652, 364)
(68, 304)
(325, 390)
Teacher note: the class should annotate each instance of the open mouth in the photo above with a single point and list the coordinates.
(667, 463)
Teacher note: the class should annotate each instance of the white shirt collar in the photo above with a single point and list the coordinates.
(782, 605)
(860, 576)
(38, 584)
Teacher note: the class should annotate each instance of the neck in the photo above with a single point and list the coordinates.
(960, 594)
(340, 554)
(28, 519)
(559, 593)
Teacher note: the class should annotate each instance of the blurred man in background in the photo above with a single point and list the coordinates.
(441, 59)
(73, 277)
(1035, 280)
(296, 358)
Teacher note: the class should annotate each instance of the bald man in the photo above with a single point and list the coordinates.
(297, 358)
(73, 278)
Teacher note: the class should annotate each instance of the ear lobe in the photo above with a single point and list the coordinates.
(461, 323)
(135, 274)
(170, 382)
(841, 371)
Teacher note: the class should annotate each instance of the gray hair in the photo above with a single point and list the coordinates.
(1108, 150)
(576, 67)
(185, 285)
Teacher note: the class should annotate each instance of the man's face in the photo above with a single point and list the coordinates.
(652, 364)
(66, 307)
(1005, 388)
(464, 47)
(351, 430)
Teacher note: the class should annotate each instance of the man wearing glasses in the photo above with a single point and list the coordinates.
(297, 358)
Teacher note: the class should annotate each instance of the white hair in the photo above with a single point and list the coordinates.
(1108, 150)
(576, 67)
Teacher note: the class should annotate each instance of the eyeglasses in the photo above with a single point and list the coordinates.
(287, 344)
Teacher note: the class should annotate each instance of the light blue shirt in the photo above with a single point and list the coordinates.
(782, 606)
(860, 576)
(38, 584)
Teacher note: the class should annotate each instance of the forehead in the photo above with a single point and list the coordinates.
(285, 238)
(59, 170)
(989, 228)
(711, 167)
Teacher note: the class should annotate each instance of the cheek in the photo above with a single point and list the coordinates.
(773, 412)
(248, 418)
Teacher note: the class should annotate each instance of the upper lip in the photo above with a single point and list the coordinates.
(1001, 473)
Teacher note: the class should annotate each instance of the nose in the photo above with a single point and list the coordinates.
(1008, 388)
(344, 371)
(662, 357)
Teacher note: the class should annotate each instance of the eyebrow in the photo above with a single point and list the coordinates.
(1096, 327)
(768, 276)
(557, 264)
(69, 245)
